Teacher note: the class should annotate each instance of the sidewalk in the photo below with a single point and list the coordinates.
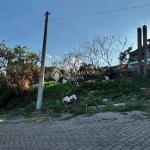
(102, 131)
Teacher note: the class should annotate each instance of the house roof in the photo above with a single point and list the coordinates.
(136, 51)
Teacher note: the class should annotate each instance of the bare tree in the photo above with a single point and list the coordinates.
(96, 53)
(101, 50)
(70, 61)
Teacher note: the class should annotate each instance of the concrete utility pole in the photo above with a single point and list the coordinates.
(145, 50)
(42, 69)
(139, 41)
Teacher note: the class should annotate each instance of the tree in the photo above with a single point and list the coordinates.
(123, 56)
(19, 66)
(101, 50)
(70, 62)
(93, 54)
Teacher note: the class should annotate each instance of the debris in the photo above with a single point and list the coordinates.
(1, 120)
(96, 107)
(119, 104)
(73, 97)
(105, 100)
(70, 99)
(145, 91)
(64, 81)
(106, 77)
(91, 81)
(66, 99)
(92, 92)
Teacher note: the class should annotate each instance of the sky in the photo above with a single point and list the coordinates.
(64, 35)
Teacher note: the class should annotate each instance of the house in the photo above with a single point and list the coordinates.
(133, 57)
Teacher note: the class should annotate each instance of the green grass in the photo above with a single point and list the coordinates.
(4, 112)
(119, 91)
(127, 107)
(68, 117)
(54, 115)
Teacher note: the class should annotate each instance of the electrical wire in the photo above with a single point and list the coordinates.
(23, 31)
(101, 12)
(76, 16)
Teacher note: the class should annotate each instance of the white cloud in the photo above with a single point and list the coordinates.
(58, 57)
(49, 56)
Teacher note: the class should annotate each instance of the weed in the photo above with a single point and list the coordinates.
(124, 113)
(68, 117)
(119, 91)
(54, 115)
(4, 112)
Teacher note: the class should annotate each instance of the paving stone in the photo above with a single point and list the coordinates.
(98, 132)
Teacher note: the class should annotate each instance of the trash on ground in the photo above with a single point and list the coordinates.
(72, 98)
(119, 104)
(105, 100)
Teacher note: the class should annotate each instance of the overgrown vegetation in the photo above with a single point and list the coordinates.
(18, 70)
(19, 73)
(88, 94)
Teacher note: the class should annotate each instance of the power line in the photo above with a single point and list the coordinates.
(101, 12)
(23, 31)
(76, 16)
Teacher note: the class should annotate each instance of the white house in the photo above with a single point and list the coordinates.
(133, 57)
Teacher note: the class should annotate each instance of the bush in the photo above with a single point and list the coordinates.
(122, 86)
(120, 90)
(5, 98)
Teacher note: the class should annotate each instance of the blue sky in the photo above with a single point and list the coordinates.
(66, 34)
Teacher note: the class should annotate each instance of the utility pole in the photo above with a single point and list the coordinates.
(42, 69)
(139, 45)
(145, 49)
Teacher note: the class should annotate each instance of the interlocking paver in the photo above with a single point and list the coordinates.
(98, 132)
(146, 148)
